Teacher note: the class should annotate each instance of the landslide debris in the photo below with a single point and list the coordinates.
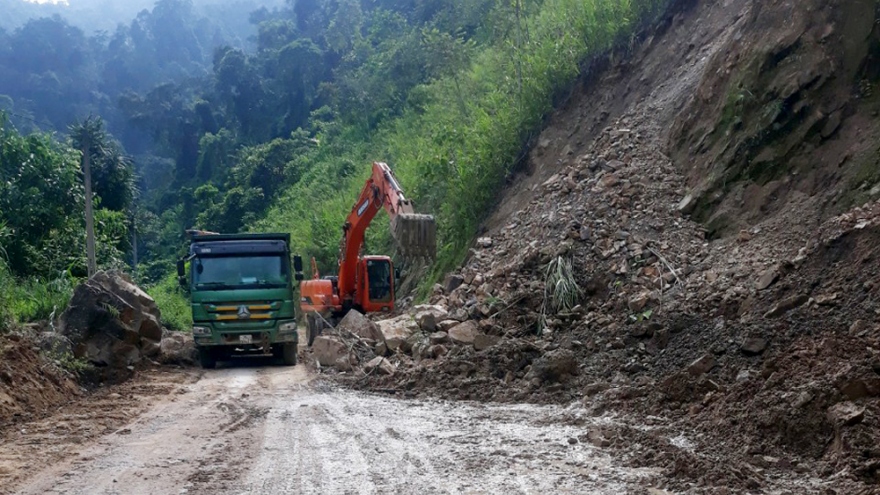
(114, 325)
(109, 330)
(739, 310)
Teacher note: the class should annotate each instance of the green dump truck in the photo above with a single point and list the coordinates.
(242, 295)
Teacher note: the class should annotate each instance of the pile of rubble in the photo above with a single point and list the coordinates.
(761, 335)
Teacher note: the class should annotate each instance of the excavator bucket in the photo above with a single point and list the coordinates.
(415, 235)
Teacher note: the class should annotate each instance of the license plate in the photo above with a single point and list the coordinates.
(246, 339)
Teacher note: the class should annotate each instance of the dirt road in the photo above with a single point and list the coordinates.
(262, 428)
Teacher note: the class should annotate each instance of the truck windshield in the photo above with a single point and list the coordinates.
(239, 272)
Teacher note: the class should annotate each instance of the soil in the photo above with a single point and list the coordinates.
(31, 383)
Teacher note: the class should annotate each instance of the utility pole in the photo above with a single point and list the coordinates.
(90, 219)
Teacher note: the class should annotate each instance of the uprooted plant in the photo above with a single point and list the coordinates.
(561, 291)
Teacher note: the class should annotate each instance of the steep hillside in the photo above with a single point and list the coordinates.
(699, 195)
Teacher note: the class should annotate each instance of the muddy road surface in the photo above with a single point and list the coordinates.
(260, 428)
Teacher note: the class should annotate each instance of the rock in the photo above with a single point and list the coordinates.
(484, 242)
(846, 414)
(687, 205)
(638, 303)
(459, 315)
(826, 299)
(439, 337)
(110, 321)
(786, 305)
(427, 316)
(584, 233)
(597, 438)
(177, 348)
(358, 324)
(381, 349)
(767, 279)
(445, 325)
(150, 328)
(754, 346)
(152, 349)
(483, 341)
(329, 349)
(452, 282)
(426, 321)
(831, 125)
(702, 366)
(396, 330)
(609, 180)
(555, 366)
(437, 350)
(344, 363)
(464, 333)
(380, 365)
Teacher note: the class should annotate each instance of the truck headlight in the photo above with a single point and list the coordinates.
(287, 327)
(201, 331)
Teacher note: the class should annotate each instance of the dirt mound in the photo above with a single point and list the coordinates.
(31, 384)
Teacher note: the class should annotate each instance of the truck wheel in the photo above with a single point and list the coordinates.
(288, 353)
(207, 358)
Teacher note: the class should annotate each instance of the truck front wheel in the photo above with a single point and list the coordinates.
(288, 353)
(207, 358)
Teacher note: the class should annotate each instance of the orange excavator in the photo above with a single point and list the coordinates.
(367, 283)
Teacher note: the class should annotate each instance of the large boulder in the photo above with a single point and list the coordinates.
(358, 324)
(397, 330)
(330, 350)
(110, 321)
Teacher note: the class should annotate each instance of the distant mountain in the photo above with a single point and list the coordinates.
(104, 15)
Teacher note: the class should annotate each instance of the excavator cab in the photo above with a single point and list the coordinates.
(379, 281)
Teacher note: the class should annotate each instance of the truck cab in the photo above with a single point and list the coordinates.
(242, 295)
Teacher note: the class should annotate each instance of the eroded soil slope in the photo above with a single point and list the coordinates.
(702, 190)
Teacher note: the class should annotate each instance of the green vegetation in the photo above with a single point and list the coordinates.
(173, 302)
(30, 299)
(448, 93)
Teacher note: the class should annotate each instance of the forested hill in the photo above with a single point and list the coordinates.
(280, 137)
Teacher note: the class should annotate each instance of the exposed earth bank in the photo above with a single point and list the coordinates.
(684, 245)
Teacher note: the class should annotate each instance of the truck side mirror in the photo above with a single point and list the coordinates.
(396, 273)
(298, 268)
(181, 273)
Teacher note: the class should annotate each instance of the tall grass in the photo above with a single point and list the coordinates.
(31, 299)
(173, 304)
(454, 148)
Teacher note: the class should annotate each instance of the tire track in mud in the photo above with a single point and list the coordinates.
(276, 430)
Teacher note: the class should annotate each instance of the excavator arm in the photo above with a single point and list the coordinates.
(414, 234)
